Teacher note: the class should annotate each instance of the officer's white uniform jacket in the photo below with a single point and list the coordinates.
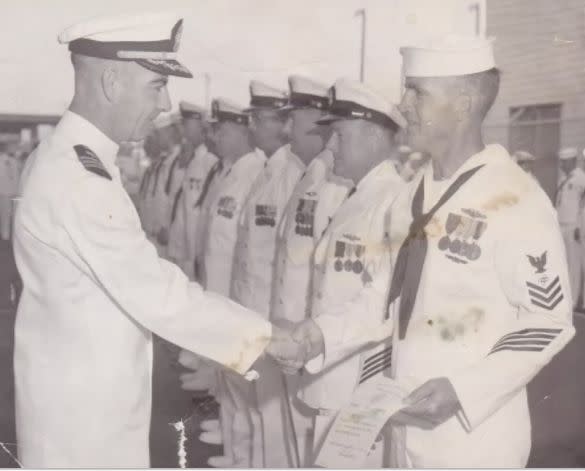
(493, 307)
(306, 216)
(257, 226)
(94, 289)
(569, 195)
(352, 253)
(219, 218)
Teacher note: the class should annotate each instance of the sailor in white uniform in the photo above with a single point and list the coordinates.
(221, 202)
(94, 287)
(254, 254)
(480, 298)
(352, 253)
(307, 214)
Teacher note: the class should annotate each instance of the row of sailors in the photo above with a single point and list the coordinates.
(287, 230)
(261, 223)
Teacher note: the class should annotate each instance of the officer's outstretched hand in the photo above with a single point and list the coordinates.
(429, 405)
(293, 348)
(287, 352)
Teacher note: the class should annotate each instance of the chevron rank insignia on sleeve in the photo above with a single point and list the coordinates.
(90, 161)
(546, 295)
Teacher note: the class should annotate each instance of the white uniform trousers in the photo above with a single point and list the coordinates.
(235, 395)
(285, 423)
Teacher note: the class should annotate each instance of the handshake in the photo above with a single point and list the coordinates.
(292, 347)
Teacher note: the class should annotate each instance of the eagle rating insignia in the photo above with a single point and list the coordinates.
(544, 294)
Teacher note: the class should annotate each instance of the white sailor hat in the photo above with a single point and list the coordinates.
(164, 120)
(448, 56)
(306, 93)
(523, 156)
(225, 110)
(568, 153)
(266, 96)
(349, 99)
(150, 39)
(189, 110)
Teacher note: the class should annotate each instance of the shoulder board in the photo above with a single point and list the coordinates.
(90, 161)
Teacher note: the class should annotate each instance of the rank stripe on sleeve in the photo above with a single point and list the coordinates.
(527, 340)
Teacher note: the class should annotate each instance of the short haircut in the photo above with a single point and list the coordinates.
(484, 86)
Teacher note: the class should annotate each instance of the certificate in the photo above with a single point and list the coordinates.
(357, 426)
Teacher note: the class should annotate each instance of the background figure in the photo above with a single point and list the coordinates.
(10, 165)
(570, 193)
(526, 161)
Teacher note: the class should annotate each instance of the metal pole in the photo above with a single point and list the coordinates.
(207, 78)
(362, 12)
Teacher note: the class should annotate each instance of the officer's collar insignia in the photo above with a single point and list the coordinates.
(539, 263)
(90, 161)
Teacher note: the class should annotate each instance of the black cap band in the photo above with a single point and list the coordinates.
(352, 110)
(306, 100)
(233, 117)
(267, 102)
(191, 114)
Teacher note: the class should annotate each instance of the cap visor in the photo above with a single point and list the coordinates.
(329, 118)
(166, 67)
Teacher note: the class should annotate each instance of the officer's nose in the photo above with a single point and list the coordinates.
(164, 100)
(287, 129)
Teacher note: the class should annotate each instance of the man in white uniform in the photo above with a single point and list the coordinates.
(352, 253)
(569, 198)
(256, 243)
(479, 299)
(94, 287)
(185, 213)
(226, 192)
(306, 216)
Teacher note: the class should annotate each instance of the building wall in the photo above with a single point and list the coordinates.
(540, 50)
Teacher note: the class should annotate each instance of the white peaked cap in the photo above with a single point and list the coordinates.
(307, 93)
(266, 96)
(350, 99)
(568, 153)
(150, 39)
(448, 56)
(226, 110)
(190, 110)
